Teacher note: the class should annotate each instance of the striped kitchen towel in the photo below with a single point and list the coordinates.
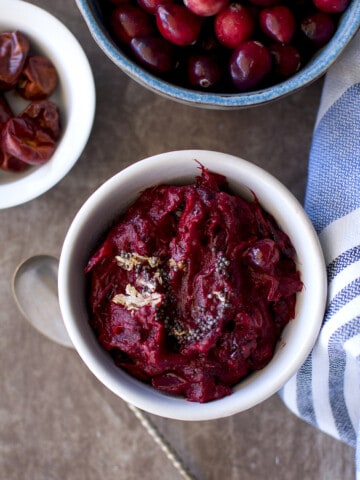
(326, 390)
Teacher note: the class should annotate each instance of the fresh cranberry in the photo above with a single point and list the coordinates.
(278, 23)
(318, 28)
(178, 24)
(204, 71)
(206, 8)
(249, 64)
(129, 21)
(150, 6)
(331, 6)
(154, 52)
(234, 25)
(286, 59)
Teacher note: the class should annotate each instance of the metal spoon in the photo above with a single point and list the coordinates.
(34, 286)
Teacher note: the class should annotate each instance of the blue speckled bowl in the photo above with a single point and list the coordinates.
(347, 28)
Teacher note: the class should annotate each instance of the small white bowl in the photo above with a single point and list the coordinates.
(112, 198)
(75, 97)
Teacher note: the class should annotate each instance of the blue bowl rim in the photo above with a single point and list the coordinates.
(348, 26)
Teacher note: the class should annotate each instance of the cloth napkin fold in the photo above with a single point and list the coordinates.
(326, 390)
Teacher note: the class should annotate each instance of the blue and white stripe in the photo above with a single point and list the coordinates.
(326, 390)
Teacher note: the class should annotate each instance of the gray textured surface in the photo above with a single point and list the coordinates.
(56, 420)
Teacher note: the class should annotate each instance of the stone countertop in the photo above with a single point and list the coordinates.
(56, 421)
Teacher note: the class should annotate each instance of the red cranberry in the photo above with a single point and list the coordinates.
(318, 28)
(150, 6)
(331, 6)
(286, 59)
(234, 25)
(204, 71)
(278, 23)
(154, 52)
(249, 64)
(178, 24)
(206, 8)
(129, 21)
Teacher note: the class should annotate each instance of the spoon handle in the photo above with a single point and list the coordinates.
(161, 442)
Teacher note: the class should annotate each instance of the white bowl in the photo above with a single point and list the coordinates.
(112, 198)
(75, 97)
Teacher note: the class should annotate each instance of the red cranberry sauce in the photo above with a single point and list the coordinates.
(191, 289)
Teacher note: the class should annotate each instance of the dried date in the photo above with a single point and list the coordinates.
(22, 139)
(45, 116)
(14, 48)
(38, 78)
(10, 163)
(5, 111)
(7, 162)
(29, 138)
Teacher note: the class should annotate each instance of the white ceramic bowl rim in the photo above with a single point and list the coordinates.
(77, 91)
(171, 165)
(348, 26)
